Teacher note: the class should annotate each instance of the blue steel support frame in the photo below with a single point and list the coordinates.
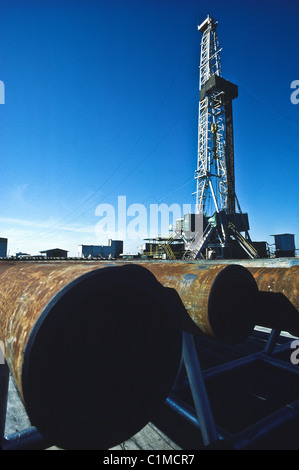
(201, 415)
(198, 390)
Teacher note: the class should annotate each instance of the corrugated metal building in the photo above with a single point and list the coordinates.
(112, 250)
(55, 253)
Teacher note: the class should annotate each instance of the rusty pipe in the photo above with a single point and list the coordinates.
(216, 298)
(219, 300)
(227, 299)
(278, 304)
(279, 280)
(271, 274)
(227, 287)
(94, 348)
(193, 281)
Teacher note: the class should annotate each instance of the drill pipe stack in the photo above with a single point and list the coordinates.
(226, 300)
(94, 347)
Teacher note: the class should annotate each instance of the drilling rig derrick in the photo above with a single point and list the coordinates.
(219, 227)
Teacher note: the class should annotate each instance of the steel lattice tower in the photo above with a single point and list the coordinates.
(215, 164)
(217, 232)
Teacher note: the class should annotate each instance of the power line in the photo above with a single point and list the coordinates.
(112, 174)
(133, 171)
(267, 105)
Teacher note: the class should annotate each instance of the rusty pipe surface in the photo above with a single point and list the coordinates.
(271, 274)
(233, 315)
(229, 286)
(218, 299)
(193, 280)
(226, 299)
(278, 305)
(94, 348)
(278, 280)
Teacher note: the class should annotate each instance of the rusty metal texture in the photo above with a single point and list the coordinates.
(26, 289)
(283, 280)
(282, 310)
(192, 281)
(271, 274)
(278, 276)
(94, 348)
(216, 299)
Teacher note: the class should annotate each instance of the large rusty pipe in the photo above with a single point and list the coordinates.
(94, 348)
(217, 298)
(42, 305)
(271, 274)
(226, 299)
(279, 280)
(278, 301)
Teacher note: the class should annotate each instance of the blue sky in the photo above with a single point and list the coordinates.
(101, 101)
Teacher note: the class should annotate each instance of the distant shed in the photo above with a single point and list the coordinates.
(55, 253)
(114, 249)
(284, 245)
(3, 247)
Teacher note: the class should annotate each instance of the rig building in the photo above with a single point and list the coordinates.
(55, 253)
(113, 250)
(284, 245)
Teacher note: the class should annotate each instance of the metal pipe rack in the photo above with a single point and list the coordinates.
(204, 330)
(276, 428)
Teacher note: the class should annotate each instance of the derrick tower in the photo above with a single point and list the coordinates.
(216, 201)
(215, 164)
